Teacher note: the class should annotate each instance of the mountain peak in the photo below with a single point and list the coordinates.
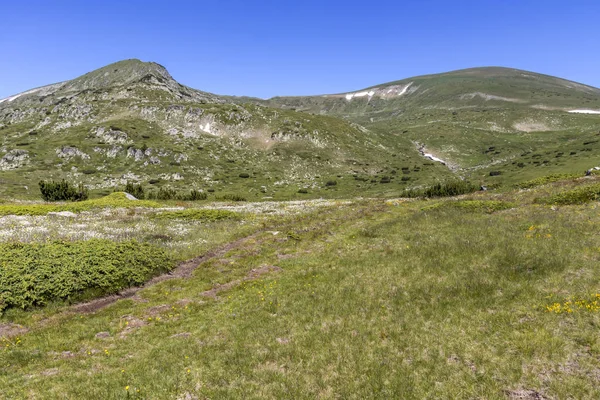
(117, 74)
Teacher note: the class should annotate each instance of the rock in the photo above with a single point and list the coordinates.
(68, 152)
(130, 196)
(13, 159)
(102, 335)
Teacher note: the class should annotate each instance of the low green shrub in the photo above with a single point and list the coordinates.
(544, 180)
(579, 195)
(62, 191)
(113, 200)
(443, 189)
(233, 197)
(172, 194)
(136, 190)
(34, 274)
(196, 214)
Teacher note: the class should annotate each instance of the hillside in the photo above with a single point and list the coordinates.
(131, 121)
(479, 120)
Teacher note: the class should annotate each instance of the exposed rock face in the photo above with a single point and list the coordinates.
(67, 153)
(110, 136)
(13, 159)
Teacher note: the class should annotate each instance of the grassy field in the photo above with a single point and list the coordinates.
(490, 295)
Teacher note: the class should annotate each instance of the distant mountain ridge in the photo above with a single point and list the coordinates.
(131, 121)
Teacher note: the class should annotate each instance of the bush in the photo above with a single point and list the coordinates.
(544, 180)
(136, 190)
(163, 194)
(172, 194)
(451, 188)
(244, 175)
(233, 197)
(62, 191)
(34, 274)
(303, 191)
(194, 195)
(579, 195)
(331, 183)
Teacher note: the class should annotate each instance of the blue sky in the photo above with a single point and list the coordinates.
(268, 48)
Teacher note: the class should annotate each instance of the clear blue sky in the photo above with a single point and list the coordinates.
(268, 48)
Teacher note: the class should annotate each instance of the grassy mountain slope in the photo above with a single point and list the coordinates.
(479, 120)
(131, 121)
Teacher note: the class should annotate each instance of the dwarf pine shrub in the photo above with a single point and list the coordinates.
(62, 191)
(34, 274)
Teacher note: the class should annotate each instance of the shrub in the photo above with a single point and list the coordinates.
(579, 195)
(244, 175)
(544, 180)
(233, 197)
(303, 191)
(445, 189)
(495, 173)
(34, 274)
(62, 191)
(193, 195)
(136, 190)
(331, 183)
(163, 194)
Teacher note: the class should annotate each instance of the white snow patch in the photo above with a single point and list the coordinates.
(585, 111)
(16, 96)
(350, 96)
(404, 89)
(433, 158)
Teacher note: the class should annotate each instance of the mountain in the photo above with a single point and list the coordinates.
(478, 120)
(131, 121)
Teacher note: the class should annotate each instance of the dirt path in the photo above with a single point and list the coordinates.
(183, 270)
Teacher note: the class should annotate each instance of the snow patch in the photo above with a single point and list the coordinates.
(16, 96)
(350, 96)
(433, 158)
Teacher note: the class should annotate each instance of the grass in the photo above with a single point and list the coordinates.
(198, 214)
(113, 200)
(363, 300)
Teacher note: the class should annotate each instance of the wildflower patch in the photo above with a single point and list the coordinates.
(591, 304)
